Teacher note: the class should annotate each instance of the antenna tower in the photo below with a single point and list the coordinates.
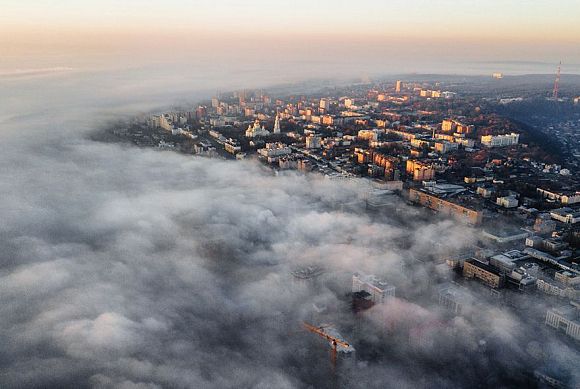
(557, 83)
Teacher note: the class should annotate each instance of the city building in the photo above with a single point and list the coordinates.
(507, 201)
(276, 129)
(564, 197)
(420, 171)
(378, 289)
(398, 86)
(232, 146)
(448, 125)
(558, 288)
(504, 235)
(274, 150)
(566, 215)
(445, 147)
(507, 261)
(485, 273)
(566, 319)
(313, 142)
(445, 207)
(454, 298)
(256, 130)
(307, 274)
(500, 140)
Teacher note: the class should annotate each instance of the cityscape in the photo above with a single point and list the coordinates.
(289, 195)
(443, 151)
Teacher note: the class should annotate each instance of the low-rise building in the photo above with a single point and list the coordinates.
(566, 215)
(557, 288)
(274, 150)
(500, 140)
(507, 201)
(564, 197)
(566, 319)
(502, 236)
(506, 262)
(232, 146)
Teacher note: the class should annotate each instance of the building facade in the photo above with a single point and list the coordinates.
(445, 207)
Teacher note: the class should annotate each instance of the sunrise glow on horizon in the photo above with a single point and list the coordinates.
(38, 34)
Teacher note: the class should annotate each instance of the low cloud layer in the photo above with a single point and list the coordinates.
(129, 268)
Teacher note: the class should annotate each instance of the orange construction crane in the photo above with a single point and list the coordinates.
(334, 341)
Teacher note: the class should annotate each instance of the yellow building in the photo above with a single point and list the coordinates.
(421, 171)
(483, 272)
(448, 125)
(446, 207)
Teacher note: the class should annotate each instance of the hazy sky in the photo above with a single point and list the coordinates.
(395, 34)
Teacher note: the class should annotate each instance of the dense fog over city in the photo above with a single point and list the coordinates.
(123, 267)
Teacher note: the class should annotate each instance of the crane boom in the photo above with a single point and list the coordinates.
(320, 331)
(334, 342)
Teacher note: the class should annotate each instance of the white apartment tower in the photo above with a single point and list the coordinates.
(276, 129)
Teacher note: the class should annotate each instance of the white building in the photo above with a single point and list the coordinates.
(370, 135)
(565, 215)
(445, 147)
(378, 289)
(500, 140)
(507, 201)
(276, 129)
(454, 298)
(274, 150)
(564, 198)
(256, 130)
(557, 288)
(565, 318)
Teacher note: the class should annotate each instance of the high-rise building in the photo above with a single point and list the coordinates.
(398, 86)
(276, 129)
